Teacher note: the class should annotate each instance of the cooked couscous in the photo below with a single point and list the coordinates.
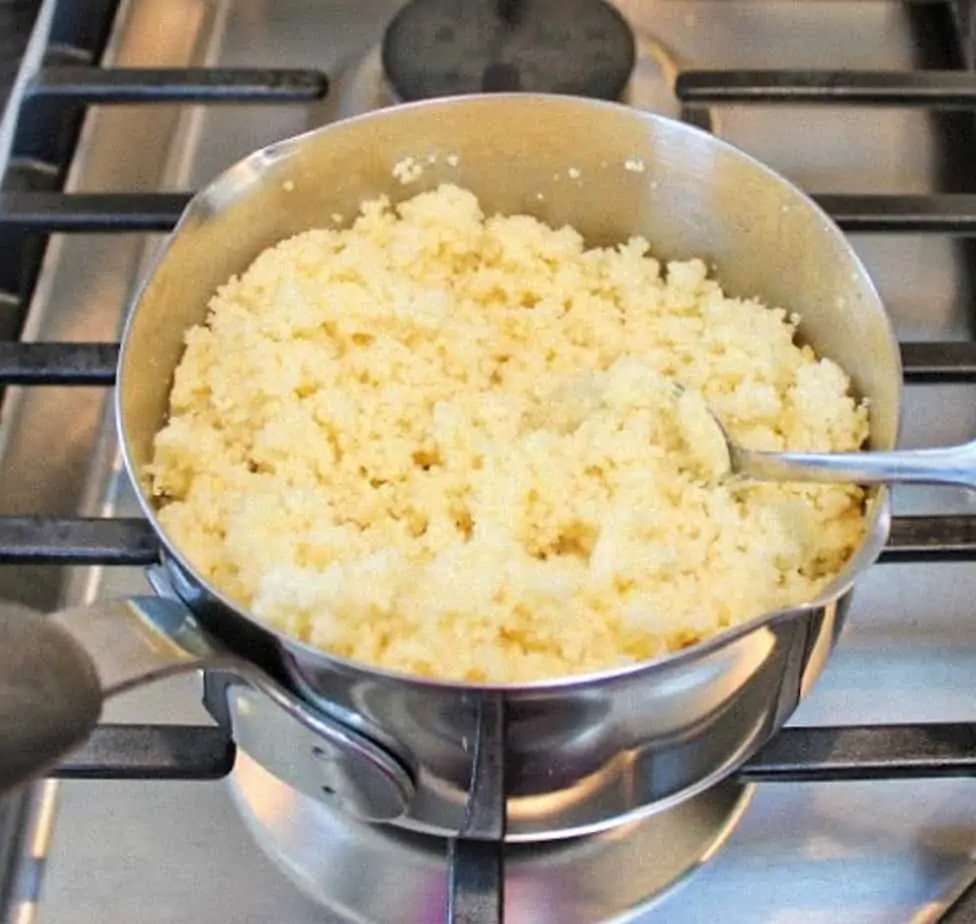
(451, 445)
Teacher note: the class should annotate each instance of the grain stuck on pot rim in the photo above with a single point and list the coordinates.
(448, 444)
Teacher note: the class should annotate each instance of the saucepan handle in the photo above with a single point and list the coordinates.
(57, 670)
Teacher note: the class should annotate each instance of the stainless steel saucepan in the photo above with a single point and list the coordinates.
(580, 753)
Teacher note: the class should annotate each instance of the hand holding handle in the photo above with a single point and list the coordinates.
(52, 688)
(56, 671)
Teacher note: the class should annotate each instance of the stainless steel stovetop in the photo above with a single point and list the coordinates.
(836, 853)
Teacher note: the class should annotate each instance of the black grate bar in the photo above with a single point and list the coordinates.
(121, 541)
(58, 363)
(963, 909)
(919, 214)
(69, 541)
(476, 882)
(871, 752)
(949, 362)
(939, 363)
(91, 212)
(932, 89)
(151, 752)
(879, 752)
(55, 212)
(178, 85)
(931, 539)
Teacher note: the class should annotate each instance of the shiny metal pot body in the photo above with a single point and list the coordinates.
(581, 753)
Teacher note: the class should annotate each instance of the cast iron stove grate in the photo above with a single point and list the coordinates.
(32, 205)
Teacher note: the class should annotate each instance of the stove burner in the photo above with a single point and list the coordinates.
(445, 48)
(335, 860)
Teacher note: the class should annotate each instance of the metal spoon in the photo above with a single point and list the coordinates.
(954, 465)
(947, 465)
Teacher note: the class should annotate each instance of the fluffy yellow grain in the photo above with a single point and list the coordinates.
(449, 445)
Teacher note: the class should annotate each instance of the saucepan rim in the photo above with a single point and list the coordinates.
(878, 511)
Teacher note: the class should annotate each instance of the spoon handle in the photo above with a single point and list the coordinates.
(949, 465)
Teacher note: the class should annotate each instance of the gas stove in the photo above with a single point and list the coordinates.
(861, 811)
